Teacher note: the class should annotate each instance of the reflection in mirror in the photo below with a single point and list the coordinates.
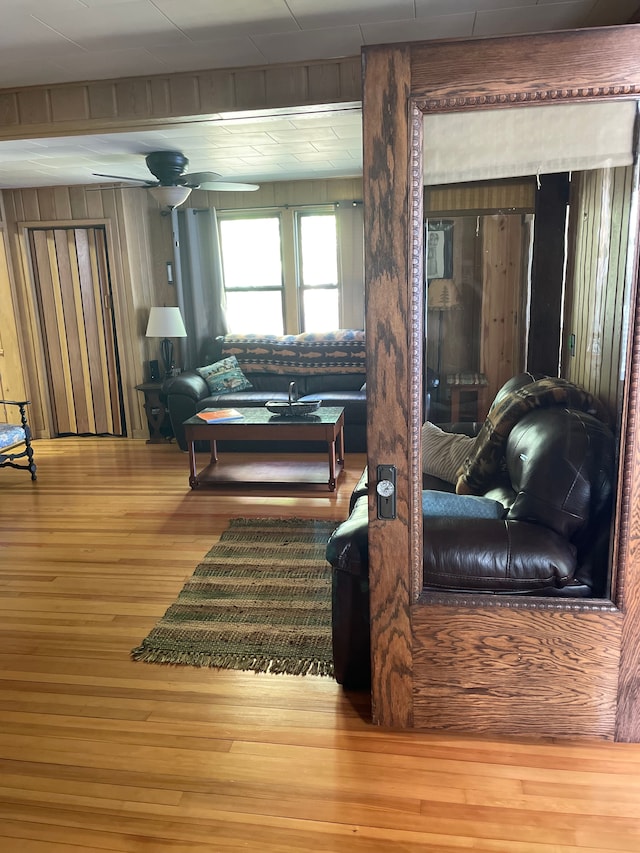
(526, 271)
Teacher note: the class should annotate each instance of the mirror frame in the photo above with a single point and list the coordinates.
(401, 83)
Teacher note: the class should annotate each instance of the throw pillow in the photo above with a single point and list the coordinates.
(443, 453)
(445, 504)
(224, 375)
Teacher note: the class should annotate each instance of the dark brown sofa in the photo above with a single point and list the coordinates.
(552, 537)
(329, 367)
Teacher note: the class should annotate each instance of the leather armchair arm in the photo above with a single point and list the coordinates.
(348, 553)
(187, 384)
(348, 545)
(494, 555)
(183, 393)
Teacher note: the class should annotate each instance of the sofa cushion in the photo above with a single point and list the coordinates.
(494, 555)
(271, 382)
(443, 453)
(224, 375)
(353, 402)
(247, 399)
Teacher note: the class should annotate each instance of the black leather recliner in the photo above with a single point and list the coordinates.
(553, 540)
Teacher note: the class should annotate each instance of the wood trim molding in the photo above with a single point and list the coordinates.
(514, 99)
(487, 602)
(416, 340)
(147, 102)
(526, 69)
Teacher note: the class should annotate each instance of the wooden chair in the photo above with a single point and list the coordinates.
(16, 436)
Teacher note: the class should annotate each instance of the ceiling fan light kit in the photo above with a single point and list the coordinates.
(170, 197)
(174, 183)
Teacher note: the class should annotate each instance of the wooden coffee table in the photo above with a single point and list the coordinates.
(257, 424)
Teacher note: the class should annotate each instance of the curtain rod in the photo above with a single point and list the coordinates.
(350, 203)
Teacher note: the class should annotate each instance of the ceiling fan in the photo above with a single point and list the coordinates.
(174, 183)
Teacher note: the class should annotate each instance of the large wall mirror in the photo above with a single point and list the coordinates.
(501, 211)
(528, 262)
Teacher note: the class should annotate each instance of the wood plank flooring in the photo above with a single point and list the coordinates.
(98, 753)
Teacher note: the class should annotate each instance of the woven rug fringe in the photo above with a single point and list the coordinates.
(248, 663)
(259, 601)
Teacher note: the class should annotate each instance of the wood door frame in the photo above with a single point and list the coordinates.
(401, 82)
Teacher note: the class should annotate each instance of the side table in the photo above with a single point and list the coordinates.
(157, 413)
(464, 383)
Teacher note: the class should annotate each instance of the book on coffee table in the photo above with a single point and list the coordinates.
(220, 415)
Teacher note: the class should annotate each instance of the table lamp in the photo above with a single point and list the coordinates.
(442, 295)
(166, 323)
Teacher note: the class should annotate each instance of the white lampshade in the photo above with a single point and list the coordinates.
(165, 323)
(170, 197)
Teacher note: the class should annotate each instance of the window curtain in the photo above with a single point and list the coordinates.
(199, 281)
(350, 226)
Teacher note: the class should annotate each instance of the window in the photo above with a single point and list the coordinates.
(281, 270)
(318, 271)
(252, 265)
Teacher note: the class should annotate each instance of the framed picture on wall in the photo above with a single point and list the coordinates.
(438, 249)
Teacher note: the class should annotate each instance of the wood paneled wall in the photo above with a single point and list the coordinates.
(599, 229)
(154, 101)
(483, 335)
(481, 197)
(457, 332)
(282, 193)
(12, 385)
(500, 339)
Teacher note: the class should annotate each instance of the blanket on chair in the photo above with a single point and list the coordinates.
(483, 464)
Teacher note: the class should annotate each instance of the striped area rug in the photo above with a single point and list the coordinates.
(260, 600)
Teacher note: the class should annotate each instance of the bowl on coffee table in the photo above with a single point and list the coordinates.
(292, 408)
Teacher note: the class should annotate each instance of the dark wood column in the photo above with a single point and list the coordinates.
(543, 352)
(386, 221)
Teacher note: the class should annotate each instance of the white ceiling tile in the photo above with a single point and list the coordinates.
(311, 14)
(433, 8)
(231, 52)
(330, 145)
(98, 65)
(14, 74)
(26, 33)
(285, 148)
(255, 126)
(208, 19)
(275, 160)
(529, 19)
(312, 44)
(313, 157)
(226, 140)
(447, 26)
(100, 29)
(310, 134)
(344, 119)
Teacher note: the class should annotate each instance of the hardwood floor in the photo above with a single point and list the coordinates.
(98, 753)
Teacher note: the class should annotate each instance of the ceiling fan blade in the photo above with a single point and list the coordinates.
(195, 179)
(145, 181)
(231, 186)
